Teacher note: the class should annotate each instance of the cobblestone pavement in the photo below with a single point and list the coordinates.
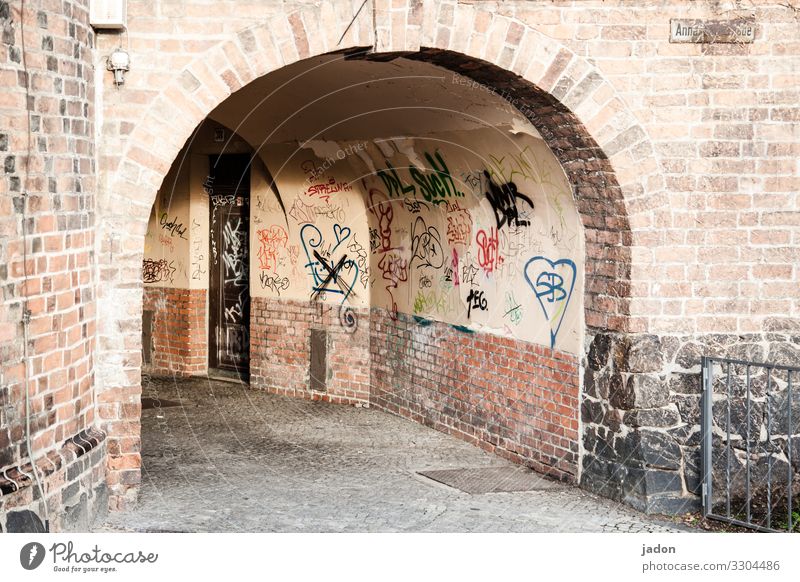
(232, 459)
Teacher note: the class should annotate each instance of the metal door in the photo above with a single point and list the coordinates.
(229, 283)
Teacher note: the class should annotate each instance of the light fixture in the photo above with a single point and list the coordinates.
(119, 61)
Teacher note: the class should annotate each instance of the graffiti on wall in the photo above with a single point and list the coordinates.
(158, 271)
(198, 257)
(552, 283)
(270, 240)
(331, 273)
(434, 229)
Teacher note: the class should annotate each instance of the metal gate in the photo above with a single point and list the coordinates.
(751, 444)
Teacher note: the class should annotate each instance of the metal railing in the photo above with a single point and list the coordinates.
(750, 442)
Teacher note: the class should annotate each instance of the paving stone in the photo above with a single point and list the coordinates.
(233, 459)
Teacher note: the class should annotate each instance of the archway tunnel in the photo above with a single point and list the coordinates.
(421, 233)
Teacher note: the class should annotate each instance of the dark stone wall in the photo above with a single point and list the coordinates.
(641, 408)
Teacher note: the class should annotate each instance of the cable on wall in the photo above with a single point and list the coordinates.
(26, 314)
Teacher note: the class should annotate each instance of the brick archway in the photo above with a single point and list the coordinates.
(603, 149)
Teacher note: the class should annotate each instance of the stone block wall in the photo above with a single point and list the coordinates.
(642, 406)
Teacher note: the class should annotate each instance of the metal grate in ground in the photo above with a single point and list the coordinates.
(491, 479)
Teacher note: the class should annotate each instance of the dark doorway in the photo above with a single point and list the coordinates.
(229, 285)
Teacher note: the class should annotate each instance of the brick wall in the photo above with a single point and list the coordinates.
(682, 157)
(691, 148)
(179, 331)
(280, 350)
(47, 201)
(513, 398)
(74, 483)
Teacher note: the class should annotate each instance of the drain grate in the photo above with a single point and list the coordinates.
(491, 479)
(153, 403)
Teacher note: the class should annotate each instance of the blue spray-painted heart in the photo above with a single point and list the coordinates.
(552, 283)
(341, 233)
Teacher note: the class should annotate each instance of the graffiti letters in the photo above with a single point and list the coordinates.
(459, 226)
(361, 260)
(488, 250)
(504, 199)
(394, 185)
(166, 241)
(274, 283)
(431, 301)
(158, 271)
(415, 206)
(552, 283)
(271, 240)
(172, 226)
(426, 245)
(325, 189)
(198, 259)
(475, 300)
(233, 255)
(224, 200)
(451, 270)
(436, 185)
(468, 272)
(382, 209)
(308, 213)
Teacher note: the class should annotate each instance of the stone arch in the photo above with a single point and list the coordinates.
(603, 149)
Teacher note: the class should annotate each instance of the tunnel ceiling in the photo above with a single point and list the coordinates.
(334, 99)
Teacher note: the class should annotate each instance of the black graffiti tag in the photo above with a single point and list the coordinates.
(475, 300)
(504, 198)
(172, 226)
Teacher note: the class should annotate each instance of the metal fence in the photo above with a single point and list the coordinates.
(751, 444)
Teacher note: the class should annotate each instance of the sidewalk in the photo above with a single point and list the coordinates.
(225, 458)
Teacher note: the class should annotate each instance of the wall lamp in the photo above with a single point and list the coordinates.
(119, 61)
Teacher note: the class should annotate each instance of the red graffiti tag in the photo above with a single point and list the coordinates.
(271, 239)
(488, 250)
